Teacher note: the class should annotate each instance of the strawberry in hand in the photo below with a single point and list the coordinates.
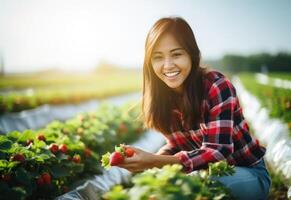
(117, 157)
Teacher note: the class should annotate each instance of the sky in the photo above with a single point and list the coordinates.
(76, 35)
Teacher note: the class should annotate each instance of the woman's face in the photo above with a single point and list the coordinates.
(171, 63)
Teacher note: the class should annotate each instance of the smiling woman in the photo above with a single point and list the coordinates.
(172, 69)
(198, 112)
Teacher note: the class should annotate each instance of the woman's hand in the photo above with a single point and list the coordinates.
(143, 160)
(140, 161)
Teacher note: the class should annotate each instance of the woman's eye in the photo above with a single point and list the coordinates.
(157, 57)
(177, 54)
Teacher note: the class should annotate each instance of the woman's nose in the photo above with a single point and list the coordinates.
(168, 63)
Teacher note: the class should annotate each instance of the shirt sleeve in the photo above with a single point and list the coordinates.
(168, 148)
(217, 141)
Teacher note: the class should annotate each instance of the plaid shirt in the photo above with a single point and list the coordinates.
(223, 135)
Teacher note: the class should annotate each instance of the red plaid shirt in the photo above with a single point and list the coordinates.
(223, 135)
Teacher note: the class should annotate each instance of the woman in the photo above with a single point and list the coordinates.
(197, 111)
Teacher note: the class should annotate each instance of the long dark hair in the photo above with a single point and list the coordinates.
(158, 100)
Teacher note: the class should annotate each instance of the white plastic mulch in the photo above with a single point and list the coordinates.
(273, 133)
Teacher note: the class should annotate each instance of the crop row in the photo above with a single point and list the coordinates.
(171, 183)
(45, 163)
(277, 100)
(26, 92)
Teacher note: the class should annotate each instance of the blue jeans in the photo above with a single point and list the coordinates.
(248, 183)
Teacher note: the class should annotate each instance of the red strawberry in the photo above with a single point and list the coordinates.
(54, 148)
(41, 137)
(87, 152)
(63, 148)
(129, 152)
(40, 181)
(77, 158)
(18, 157)
(116, 158)
(28, 142)
(46, 178)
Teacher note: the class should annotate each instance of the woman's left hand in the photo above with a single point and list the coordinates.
(140, 161)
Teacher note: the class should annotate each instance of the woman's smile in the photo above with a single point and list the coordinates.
(172, 75)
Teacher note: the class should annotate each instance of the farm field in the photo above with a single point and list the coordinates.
(52, 161)
(277, 100)
(21, 92)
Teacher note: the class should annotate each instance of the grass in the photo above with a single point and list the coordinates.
(285, 76)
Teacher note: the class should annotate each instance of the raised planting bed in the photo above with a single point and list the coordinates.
(45, 163)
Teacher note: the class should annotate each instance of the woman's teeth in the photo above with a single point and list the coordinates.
(171, 74)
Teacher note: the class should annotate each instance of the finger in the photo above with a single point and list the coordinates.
(127, 165)
(131, 160)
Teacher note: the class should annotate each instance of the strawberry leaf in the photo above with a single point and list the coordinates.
(105, 160)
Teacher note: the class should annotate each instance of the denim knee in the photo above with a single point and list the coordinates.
(248, 182)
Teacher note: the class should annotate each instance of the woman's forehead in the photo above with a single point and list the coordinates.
(167, 42)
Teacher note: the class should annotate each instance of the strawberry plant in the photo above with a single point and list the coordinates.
(43, 164)
(170, 182)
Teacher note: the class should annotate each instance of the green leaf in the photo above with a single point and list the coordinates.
(2, 155)
(26, 135)
(105, 160)
(61, 156)
(4, 163)
(14, 135)
(78, 168)
(59, 171)
(39, 144)
(22, 176)
(117, 192)
(17, 193)
(5, 143)
(12, 164)
(41, 158)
